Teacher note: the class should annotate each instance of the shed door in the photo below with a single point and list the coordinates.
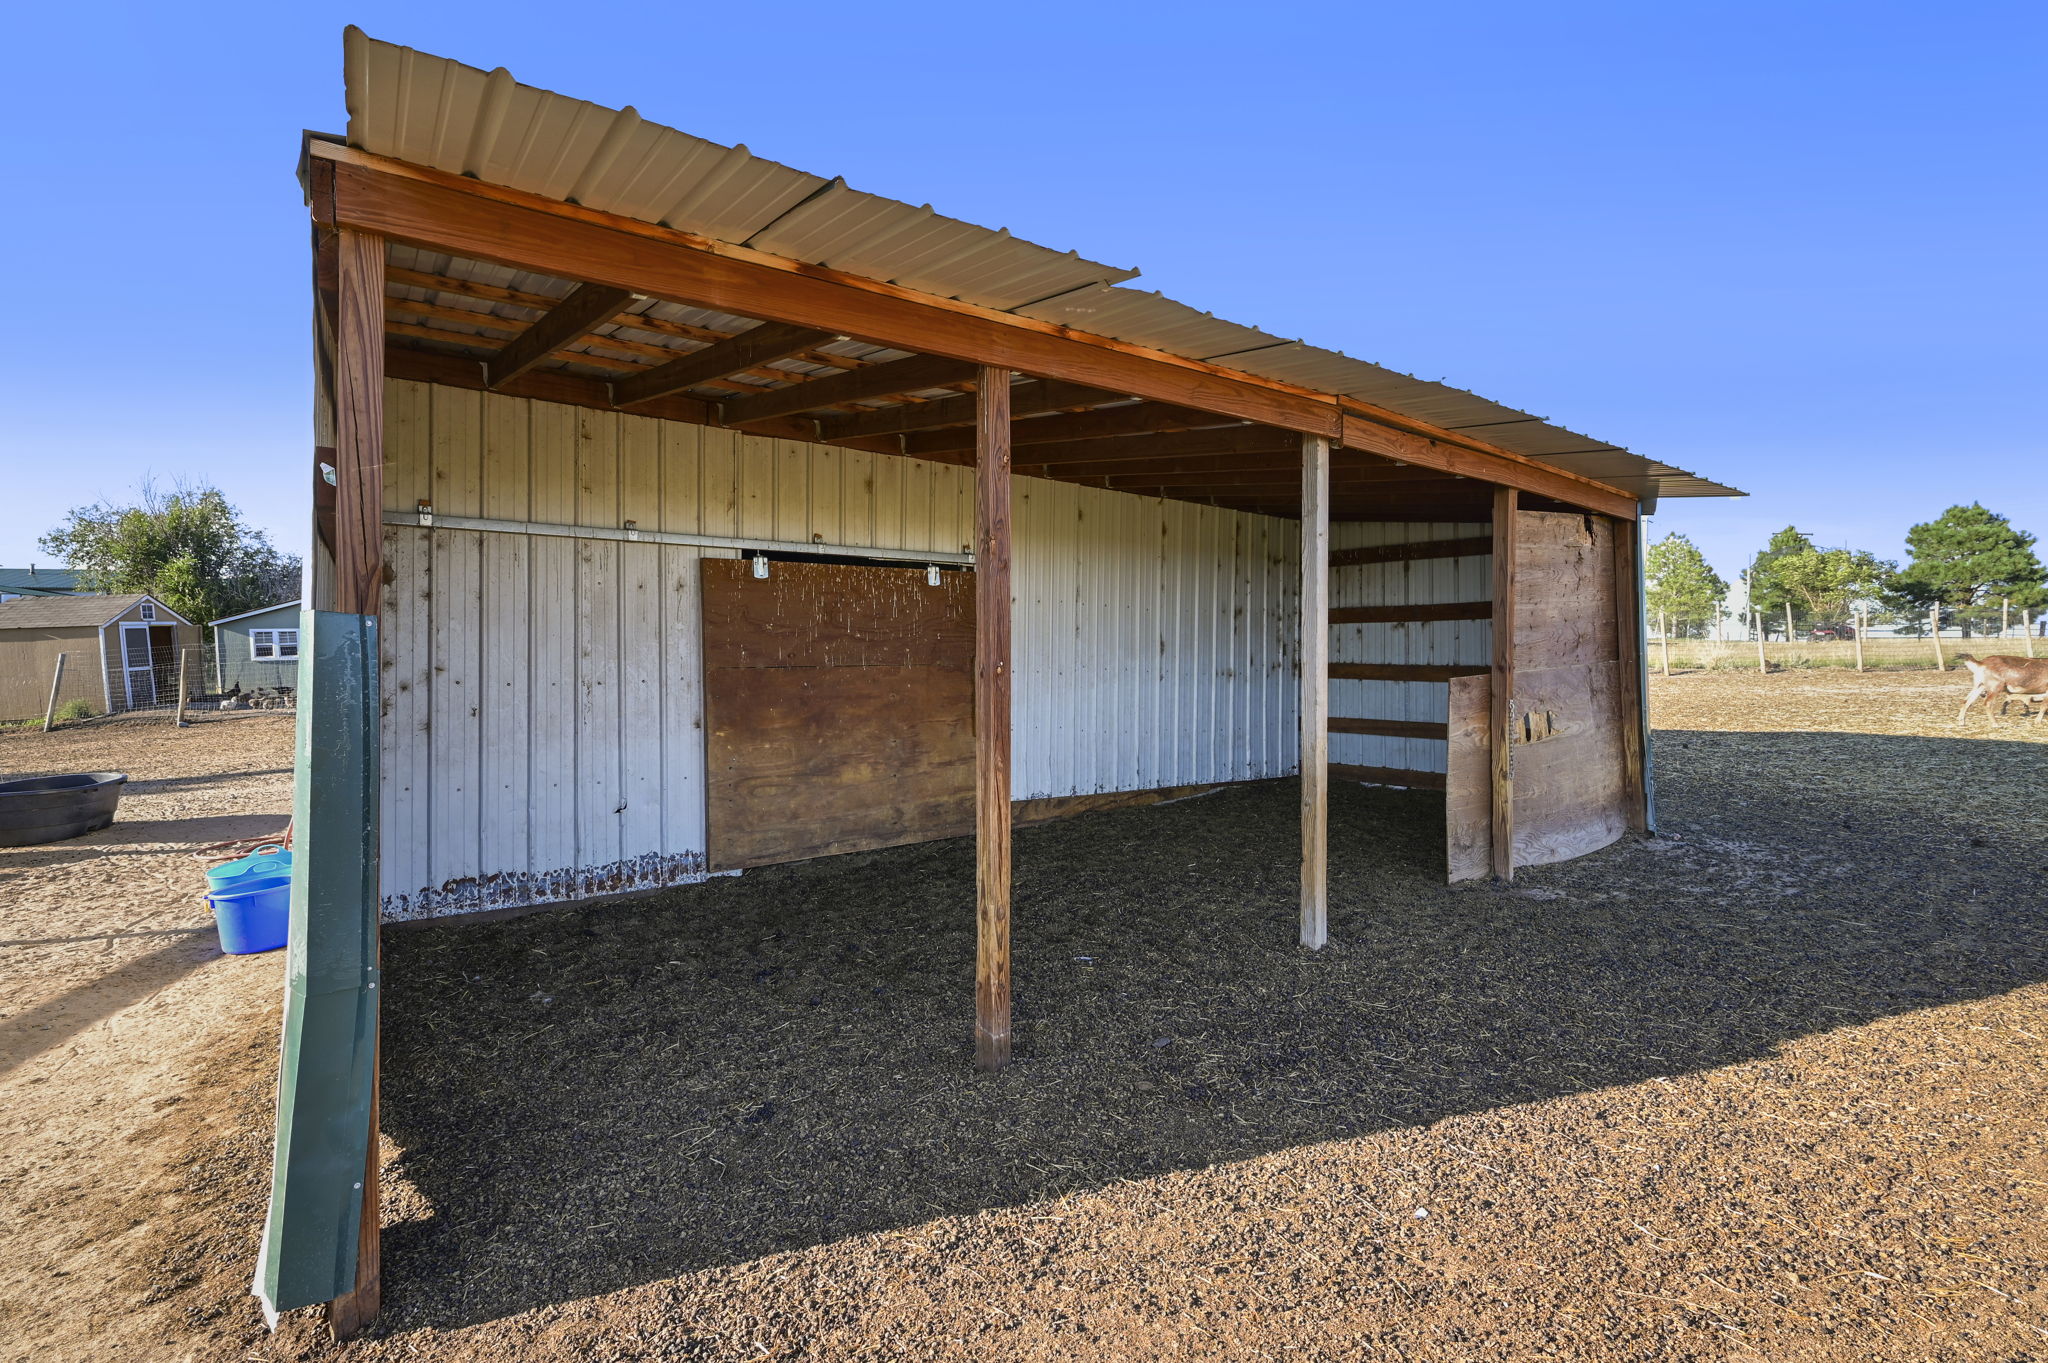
(1570, 771)
(138, 665)
(838, 708)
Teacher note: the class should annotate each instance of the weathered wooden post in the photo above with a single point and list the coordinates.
(2004, 616)
(184, 681)
(1315, 690)
(56, 680)
(992, 719)
(1934, 633)
(2027, 630)
(1788, 620)
(1763, 663)
(1506, 511)
(1862, 623)
(1664, 639)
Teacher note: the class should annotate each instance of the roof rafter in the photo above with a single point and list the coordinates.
(721, 359)
(876, 380)
(587, 307)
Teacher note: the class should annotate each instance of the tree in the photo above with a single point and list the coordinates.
(1827, 583)
(187, 547)
(1966, 557)
(1679, 581)
(1768, 595)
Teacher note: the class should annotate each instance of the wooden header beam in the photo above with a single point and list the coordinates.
(490, 222)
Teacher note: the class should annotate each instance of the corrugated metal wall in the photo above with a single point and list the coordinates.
(1426, 582)
(542, 736)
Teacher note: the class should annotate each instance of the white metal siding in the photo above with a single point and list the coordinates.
(543, 714)
(1425, 582)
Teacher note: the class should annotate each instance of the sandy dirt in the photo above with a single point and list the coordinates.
(1767, 1086)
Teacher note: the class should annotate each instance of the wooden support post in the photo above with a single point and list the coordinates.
(1763, 663)
(1664, 639)
(992, 720)
(359, 581)
(184, 682)
(1628, 639)
(56, 680)
(1315, 691)
(2027, 630)
(1934, 633)
(1506, 506)
(2004, 616)
(1788, 620)
(1862, 623)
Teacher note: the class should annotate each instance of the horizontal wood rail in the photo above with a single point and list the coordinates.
(352, 188)
(1390, 728)
(1397, 615)
(1430, 672)
(435, 521)
(1387, 776)
(1408, 553)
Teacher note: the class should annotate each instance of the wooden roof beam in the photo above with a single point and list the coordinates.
(1027, 399)
(893, 379)
(1130, 419)
(587, 307)
(721, 359)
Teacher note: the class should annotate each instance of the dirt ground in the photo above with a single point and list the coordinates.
(1766, 1086)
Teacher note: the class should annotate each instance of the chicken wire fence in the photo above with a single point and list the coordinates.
(1890, 652)
(182, 682)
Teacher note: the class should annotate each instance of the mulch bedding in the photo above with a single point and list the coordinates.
(1766, 1086)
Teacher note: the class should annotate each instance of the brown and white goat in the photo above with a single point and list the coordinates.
(2002, 675)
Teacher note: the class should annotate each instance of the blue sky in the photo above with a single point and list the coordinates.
(1796, 247)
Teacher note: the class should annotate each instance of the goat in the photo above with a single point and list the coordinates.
(2003, 675)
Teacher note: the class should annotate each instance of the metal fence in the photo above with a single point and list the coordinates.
(1890, 652)
(81, 686)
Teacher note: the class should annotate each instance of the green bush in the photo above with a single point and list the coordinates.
(75, 709)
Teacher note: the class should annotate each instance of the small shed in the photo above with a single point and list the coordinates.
(121, 651)
(678, 512)
(257, 649)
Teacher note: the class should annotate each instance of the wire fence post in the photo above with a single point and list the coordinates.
(1934, 633)
(1664, 639)
(1788, 619)
(2027, 630)
(184, 681)
(2004, 616)
(56, 681)
(1763, 664)
(1862, 623)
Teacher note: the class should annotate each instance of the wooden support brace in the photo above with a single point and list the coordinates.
(1506, 505)
(1315, 691)
(359, 579)
(992, 720)
(1628, 636)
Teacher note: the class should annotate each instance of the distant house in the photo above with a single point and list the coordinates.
(257, 649)
(123, 650)
(35, 581)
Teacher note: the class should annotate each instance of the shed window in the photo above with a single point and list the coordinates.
(273, 643)
(149, 610)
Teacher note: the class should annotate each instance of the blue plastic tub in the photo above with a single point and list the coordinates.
(253, 919)
(268, 863)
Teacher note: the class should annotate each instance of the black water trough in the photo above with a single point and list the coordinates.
(51, 808)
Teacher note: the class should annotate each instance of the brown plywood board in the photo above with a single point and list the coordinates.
(1564, 590)
(838, 709)
(1569, 784)
(1468, 782)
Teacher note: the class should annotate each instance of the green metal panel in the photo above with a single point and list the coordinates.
(330, 1018)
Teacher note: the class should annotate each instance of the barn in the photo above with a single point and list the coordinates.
(121, 652)
(679, 512)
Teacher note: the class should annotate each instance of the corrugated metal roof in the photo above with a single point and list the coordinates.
(35, 581)
(439, 113)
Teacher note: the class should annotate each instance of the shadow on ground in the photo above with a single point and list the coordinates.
(592, 1099)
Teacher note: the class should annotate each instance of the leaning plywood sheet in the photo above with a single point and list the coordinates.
(1468, 802)
(838, 709)
(1568, 765)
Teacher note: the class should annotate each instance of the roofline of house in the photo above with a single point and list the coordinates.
(260, 610)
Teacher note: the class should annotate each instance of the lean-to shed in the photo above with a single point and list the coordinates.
(257, 649)
(680, 512)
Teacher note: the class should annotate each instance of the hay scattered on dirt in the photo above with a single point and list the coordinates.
(1767, 1086)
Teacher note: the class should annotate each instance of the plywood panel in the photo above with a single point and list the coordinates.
(1468, 805)
(1569, 782)
(838, 709)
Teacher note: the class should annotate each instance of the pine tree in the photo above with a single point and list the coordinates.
(1768, 592)
(1680, 583)
(1966, 557)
